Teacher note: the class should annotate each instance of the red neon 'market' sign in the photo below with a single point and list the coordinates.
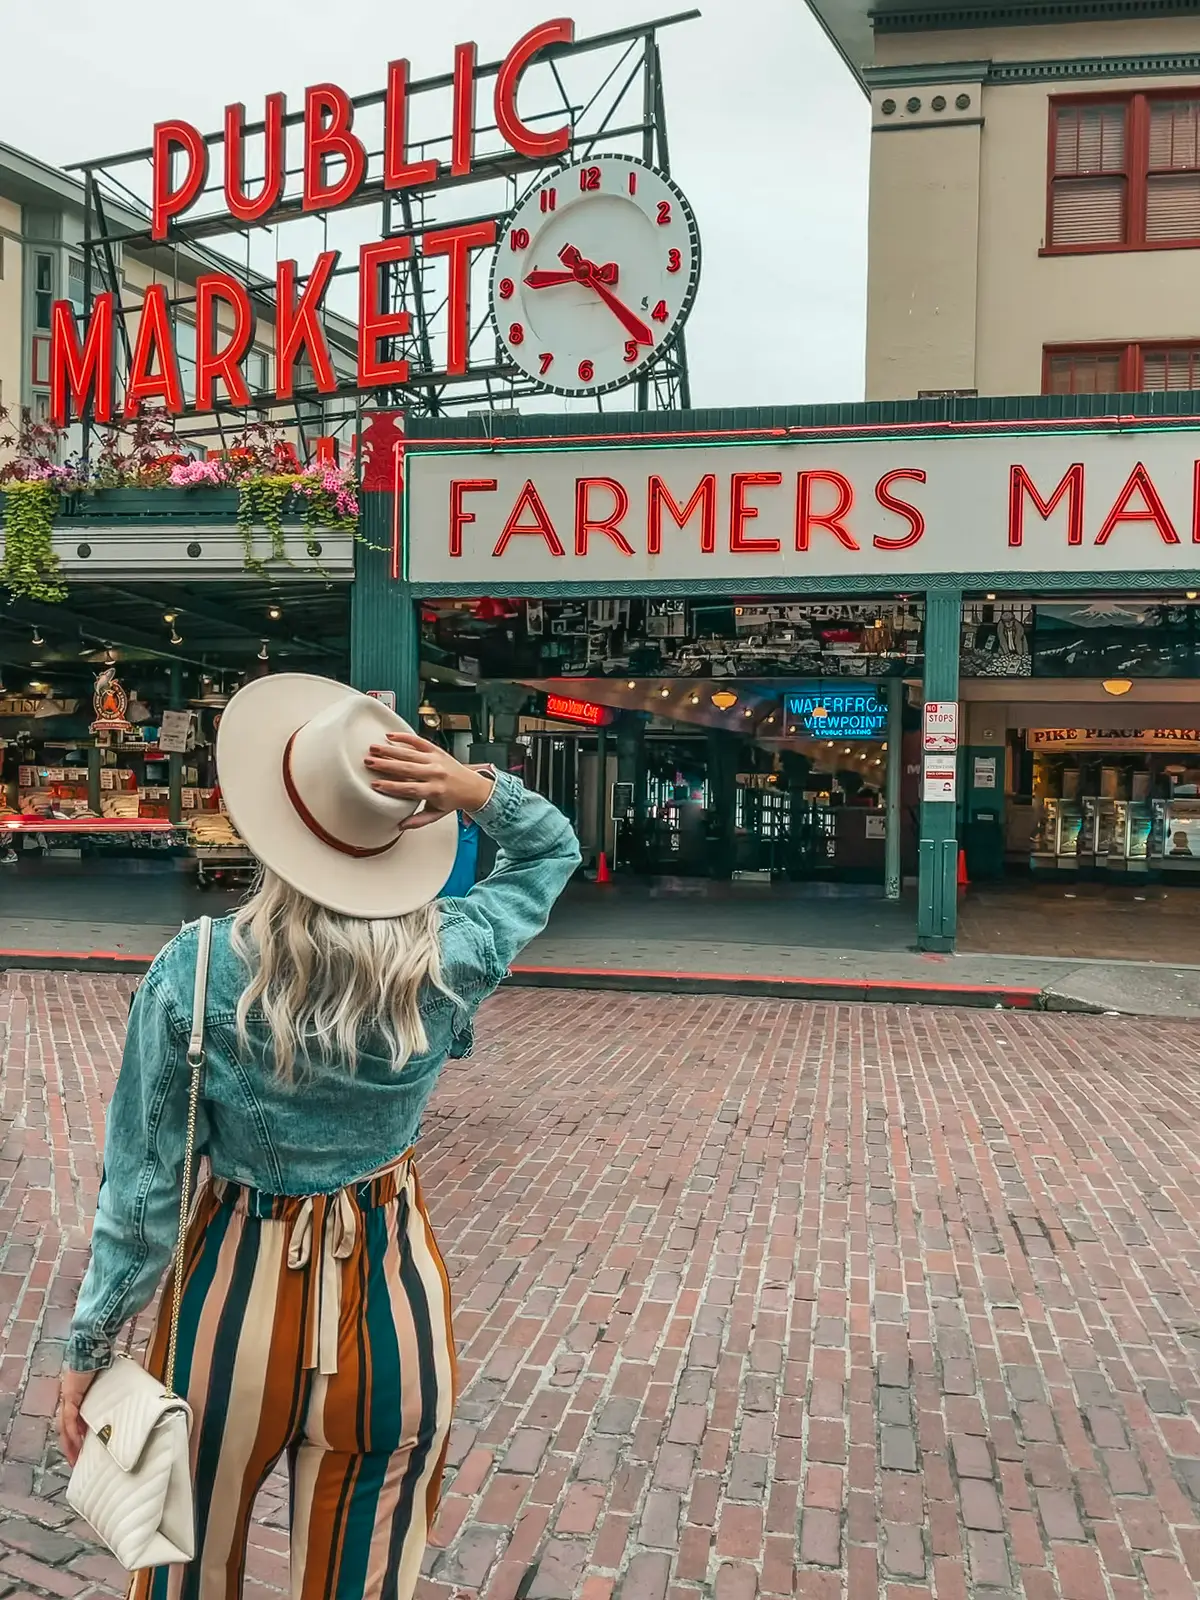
(565, 709)
(334, 168)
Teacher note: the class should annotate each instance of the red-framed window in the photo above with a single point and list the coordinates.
(1121, 368)
(1124, 172)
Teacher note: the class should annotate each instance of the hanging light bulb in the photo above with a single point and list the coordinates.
(264, 654)
(274, 612)
(110, 656)
(169, 616)
(176, 636)
(37, 637)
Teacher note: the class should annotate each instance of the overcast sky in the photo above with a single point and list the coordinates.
(768, 138)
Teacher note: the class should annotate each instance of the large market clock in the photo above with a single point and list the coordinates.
(595, 274)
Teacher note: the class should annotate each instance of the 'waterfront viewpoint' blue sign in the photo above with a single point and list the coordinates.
(835, 711)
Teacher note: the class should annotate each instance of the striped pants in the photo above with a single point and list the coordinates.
(319, 1328)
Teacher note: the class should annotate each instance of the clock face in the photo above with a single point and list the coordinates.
(594, 275)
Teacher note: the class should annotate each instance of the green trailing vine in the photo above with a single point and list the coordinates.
(323, 502)
(31, 569)
(262, 503)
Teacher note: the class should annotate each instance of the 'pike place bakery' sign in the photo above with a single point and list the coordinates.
(334, 161)
(1104, 500)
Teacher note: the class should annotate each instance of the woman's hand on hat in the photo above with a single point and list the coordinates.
(408, 767)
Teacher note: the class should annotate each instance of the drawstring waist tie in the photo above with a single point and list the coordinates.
(323, 1231)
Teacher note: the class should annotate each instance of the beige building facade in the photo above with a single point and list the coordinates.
(1034, 195)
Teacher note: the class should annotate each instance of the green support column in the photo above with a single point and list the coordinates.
(174, 759)
(895, 771)
(385, 641)
(937, 910)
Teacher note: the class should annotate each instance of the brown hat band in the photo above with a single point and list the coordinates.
(311, 823)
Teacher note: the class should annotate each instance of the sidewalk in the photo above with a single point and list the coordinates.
(754, 1301)
(737, 939)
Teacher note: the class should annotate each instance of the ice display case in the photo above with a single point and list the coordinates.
(1102, 838)
(1175, 836)
(1138, 829)
(1058, 825)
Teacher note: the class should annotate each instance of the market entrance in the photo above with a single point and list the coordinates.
(733, 790)
(731, 741)
(1083, 837)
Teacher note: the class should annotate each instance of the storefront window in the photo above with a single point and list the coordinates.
(1080, 639)
(717, 637)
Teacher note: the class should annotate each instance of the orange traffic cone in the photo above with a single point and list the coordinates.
(603, 874)
(964, 883)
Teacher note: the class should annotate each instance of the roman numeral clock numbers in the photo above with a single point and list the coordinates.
(594, 276)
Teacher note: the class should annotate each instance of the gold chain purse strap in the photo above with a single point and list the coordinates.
(195, 1061)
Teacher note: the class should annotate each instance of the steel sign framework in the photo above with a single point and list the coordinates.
(608, 92)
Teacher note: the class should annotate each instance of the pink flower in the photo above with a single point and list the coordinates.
(199, 474)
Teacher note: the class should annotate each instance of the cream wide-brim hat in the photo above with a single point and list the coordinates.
(290, 754)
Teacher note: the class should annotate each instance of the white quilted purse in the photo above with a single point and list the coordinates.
(132, 1482)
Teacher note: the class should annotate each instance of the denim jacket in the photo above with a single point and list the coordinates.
(332, 1127)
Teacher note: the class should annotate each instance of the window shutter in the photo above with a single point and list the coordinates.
(1088, 211)
(1089, 139)
(1170, 369)
(1173, 206)
(1084, 372)
(1174, 134)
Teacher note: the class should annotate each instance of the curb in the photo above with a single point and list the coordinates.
(876, 991)
(867, 991)
(73, 961)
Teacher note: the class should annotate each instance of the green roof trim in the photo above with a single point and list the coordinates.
(1180, 408)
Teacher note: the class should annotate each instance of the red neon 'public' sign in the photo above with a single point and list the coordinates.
(334, 169)
(564, 709)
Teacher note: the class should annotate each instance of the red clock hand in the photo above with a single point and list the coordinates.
(632, 323)
(592, 277)
(538, 279)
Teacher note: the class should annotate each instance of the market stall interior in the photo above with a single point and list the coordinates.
(109, 705)
(734, 740)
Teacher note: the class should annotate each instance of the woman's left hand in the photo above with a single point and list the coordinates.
(72, 1387)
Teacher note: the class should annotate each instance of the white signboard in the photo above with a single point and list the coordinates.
(940, 778)
(941, 725)
(1079, 500)
(876, 825)
(174, 734)
(985, 772)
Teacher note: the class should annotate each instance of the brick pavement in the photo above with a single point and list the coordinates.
(754, 1298)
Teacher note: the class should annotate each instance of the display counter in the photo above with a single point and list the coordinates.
(1116, 835)
(1175, 836)
(1057, 827)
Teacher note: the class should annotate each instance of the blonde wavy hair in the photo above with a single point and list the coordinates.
(324, 981)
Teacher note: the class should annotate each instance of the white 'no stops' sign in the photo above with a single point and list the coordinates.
(940, 725)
